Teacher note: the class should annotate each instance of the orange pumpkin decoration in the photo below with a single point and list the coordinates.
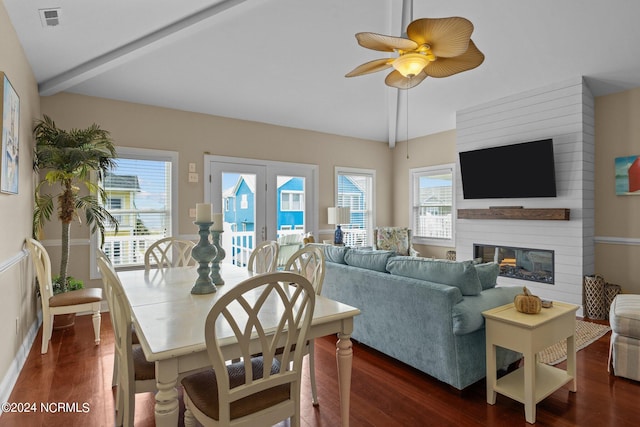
(527, 303)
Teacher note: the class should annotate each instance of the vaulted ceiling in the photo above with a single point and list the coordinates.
(283, 61)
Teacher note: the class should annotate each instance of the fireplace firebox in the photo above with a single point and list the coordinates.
(536, 265)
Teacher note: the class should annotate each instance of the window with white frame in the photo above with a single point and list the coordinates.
(432, 205)
(141, 195)
(292, 201)
(355, 188)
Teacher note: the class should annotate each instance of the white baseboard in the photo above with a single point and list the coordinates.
(11, 376)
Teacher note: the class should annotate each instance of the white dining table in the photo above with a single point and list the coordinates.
(169, 322)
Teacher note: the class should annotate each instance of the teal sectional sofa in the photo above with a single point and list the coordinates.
(423, 312)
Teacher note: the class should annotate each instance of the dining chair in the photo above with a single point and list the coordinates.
(169, 252)
(264, 258)
(309, 262)
(134, 373)
(257, 390)
(107, 290)
(78, 301)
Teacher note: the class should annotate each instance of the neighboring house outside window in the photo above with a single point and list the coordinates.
(140, 194)
(356, 189)
(432, 205)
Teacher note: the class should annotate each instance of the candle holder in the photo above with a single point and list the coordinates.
(215, 264)
(203, 252)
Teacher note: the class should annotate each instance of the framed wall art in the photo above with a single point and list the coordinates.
(627, 175)
(10, 113)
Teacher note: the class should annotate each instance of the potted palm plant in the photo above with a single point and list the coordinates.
(69, 159)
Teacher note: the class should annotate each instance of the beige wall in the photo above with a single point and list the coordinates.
(192, 135)
(18, 303)
(431, 150)
(617, 218)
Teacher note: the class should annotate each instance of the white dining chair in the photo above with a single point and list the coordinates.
(309, 262)
(134, 373)
(257, 390)
(169, 252)
(78, 301)
(264, 257)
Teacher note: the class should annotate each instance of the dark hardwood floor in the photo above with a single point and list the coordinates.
(383, 392)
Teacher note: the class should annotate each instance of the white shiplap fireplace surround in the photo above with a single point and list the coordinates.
(565, 113)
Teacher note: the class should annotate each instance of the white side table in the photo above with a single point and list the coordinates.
(530, 334)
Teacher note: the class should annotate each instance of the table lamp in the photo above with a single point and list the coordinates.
(338, 216)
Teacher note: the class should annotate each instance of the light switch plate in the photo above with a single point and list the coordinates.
(192, 212)
(193, 177)
(192, 167)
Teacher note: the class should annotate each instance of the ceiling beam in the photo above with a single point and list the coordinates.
(396, 96)
(132, 50)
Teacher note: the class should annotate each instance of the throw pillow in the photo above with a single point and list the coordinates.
(371, 260)
(488, 274)
(461, 274)
(393, 239)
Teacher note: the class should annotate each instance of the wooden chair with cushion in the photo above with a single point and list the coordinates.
(264, 258)
(258, 390)
(78, 301)
(309, 262)
(135, 374)
(169, 252)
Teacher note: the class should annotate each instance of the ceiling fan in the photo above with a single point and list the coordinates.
(434, 47)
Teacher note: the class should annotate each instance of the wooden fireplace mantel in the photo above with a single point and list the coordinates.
(559, 214)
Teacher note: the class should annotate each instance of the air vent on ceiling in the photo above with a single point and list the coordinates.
(50, 17)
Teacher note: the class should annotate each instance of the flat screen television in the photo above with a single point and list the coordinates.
(511, 171)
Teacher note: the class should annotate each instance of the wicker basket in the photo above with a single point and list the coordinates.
(610, 292)
(451, 255)
(594, 297)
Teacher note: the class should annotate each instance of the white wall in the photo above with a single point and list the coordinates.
(565, 113)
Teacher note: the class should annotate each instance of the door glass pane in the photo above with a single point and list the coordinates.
(290, 205)
(239, 213)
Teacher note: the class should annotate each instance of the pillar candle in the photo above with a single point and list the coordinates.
(203, 212)
(217, 221)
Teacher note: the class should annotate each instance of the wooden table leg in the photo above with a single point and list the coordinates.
(344, 357)
(530, 387)
(571, 362)
(167, 410)
(491, 373)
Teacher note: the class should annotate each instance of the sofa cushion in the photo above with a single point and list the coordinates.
(335, 254)
(488, 274)
(371, 260)
(467, 314)
(461, 274)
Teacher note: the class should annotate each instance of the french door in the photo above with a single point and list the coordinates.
(260, 201)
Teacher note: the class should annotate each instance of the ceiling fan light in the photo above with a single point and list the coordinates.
(410, 64)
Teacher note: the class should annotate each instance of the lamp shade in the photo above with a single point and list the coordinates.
(339, 215)
(410, 64)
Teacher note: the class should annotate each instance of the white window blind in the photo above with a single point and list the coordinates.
(139, 196)
(432, 204)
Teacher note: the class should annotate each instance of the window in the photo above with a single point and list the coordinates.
(141, 195)
(432, 206)
(291, 201)
(244, 202)
(355, 188)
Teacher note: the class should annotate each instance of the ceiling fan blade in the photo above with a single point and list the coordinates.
(384, 43)
(397, 80)
(448, 37)
(370, 67)
(445, 67)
